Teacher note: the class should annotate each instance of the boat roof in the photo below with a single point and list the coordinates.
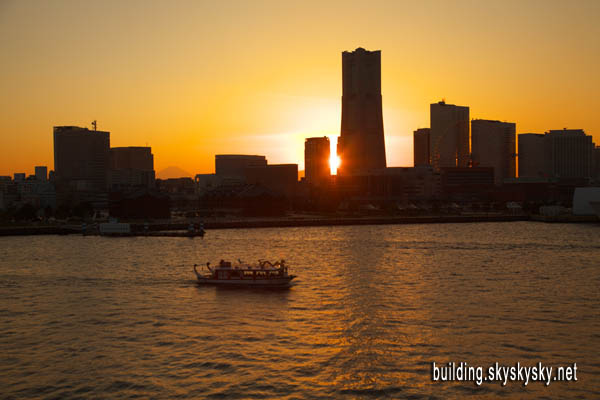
(245, 268)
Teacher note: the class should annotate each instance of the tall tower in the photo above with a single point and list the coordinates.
(361, 145)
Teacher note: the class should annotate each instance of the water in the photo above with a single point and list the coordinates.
(373, 307)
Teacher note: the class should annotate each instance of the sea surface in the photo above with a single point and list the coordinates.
(372, 308)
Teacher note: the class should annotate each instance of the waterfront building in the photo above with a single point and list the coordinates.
(280, 178)
(449, 135)
(131, 167)
(569, 153)
(316, 159)
(231, 167)
(493, 145)
(361, 145)
(81, 158)
(532, 161)
(421, 146)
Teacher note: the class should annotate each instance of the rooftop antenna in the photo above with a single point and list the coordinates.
(94, 124)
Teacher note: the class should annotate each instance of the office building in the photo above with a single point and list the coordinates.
(532, 162)
(493, 145)
(421, 146)
(232, 166)
(316, 159)
(41, 173)
(361, 144)
(569, 153)
(131, 167)
(449, 136)
(132, 157)
(81, 159)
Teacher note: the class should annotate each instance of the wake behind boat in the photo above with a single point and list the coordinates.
(263, 274)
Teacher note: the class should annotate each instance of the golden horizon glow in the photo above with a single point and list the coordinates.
(194, 79)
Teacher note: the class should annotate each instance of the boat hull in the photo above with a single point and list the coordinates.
(277, 282)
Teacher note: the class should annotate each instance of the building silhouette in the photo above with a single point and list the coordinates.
(421, 146)
(81, 162)
(561, 154)
(361, 145)
(316, 159)
(131, 167)
(233, 166)
(281, 179)
(532, 156)
(449, 136)
(493, 144)
(569, 153)
(41, 173)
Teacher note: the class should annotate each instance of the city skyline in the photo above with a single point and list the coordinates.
(156, 87)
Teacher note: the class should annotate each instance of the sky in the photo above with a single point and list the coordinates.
(197, 78)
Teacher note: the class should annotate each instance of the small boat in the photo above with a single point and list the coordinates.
(263, 274)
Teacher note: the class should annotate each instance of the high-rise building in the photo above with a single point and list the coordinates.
(449, 137)
(421, 146)
(316, 159)
(493, 145)
(41, 173)
(233, 166)
(81, 159)
(561, 153)
(131, 167)
(361, 145)
(132, 157)
(532, 160)
(569, 153)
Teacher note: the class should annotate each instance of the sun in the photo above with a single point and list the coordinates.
(334, 163)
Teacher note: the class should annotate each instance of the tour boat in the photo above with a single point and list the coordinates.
(263, 274)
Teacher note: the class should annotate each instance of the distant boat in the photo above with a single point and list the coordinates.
(264, 274)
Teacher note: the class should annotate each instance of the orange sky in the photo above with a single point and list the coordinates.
(196, 78)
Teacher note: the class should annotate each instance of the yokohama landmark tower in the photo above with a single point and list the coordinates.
(361, 145)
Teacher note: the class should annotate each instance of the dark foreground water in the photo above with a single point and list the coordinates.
(374, 306)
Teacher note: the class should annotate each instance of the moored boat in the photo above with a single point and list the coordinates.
(263, 274)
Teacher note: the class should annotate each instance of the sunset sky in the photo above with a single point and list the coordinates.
(196, 78)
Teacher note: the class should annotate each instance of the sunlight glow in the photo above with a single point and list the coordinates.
(334, 160)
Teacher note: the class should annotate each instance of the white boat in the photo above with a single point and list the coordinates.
(263, 274)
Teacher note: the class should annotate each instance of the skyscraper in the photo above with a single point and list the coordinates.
(81, 158)
(421, 146)
(361, 145)
(449, 140)
(316, 159)
(493, 145)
